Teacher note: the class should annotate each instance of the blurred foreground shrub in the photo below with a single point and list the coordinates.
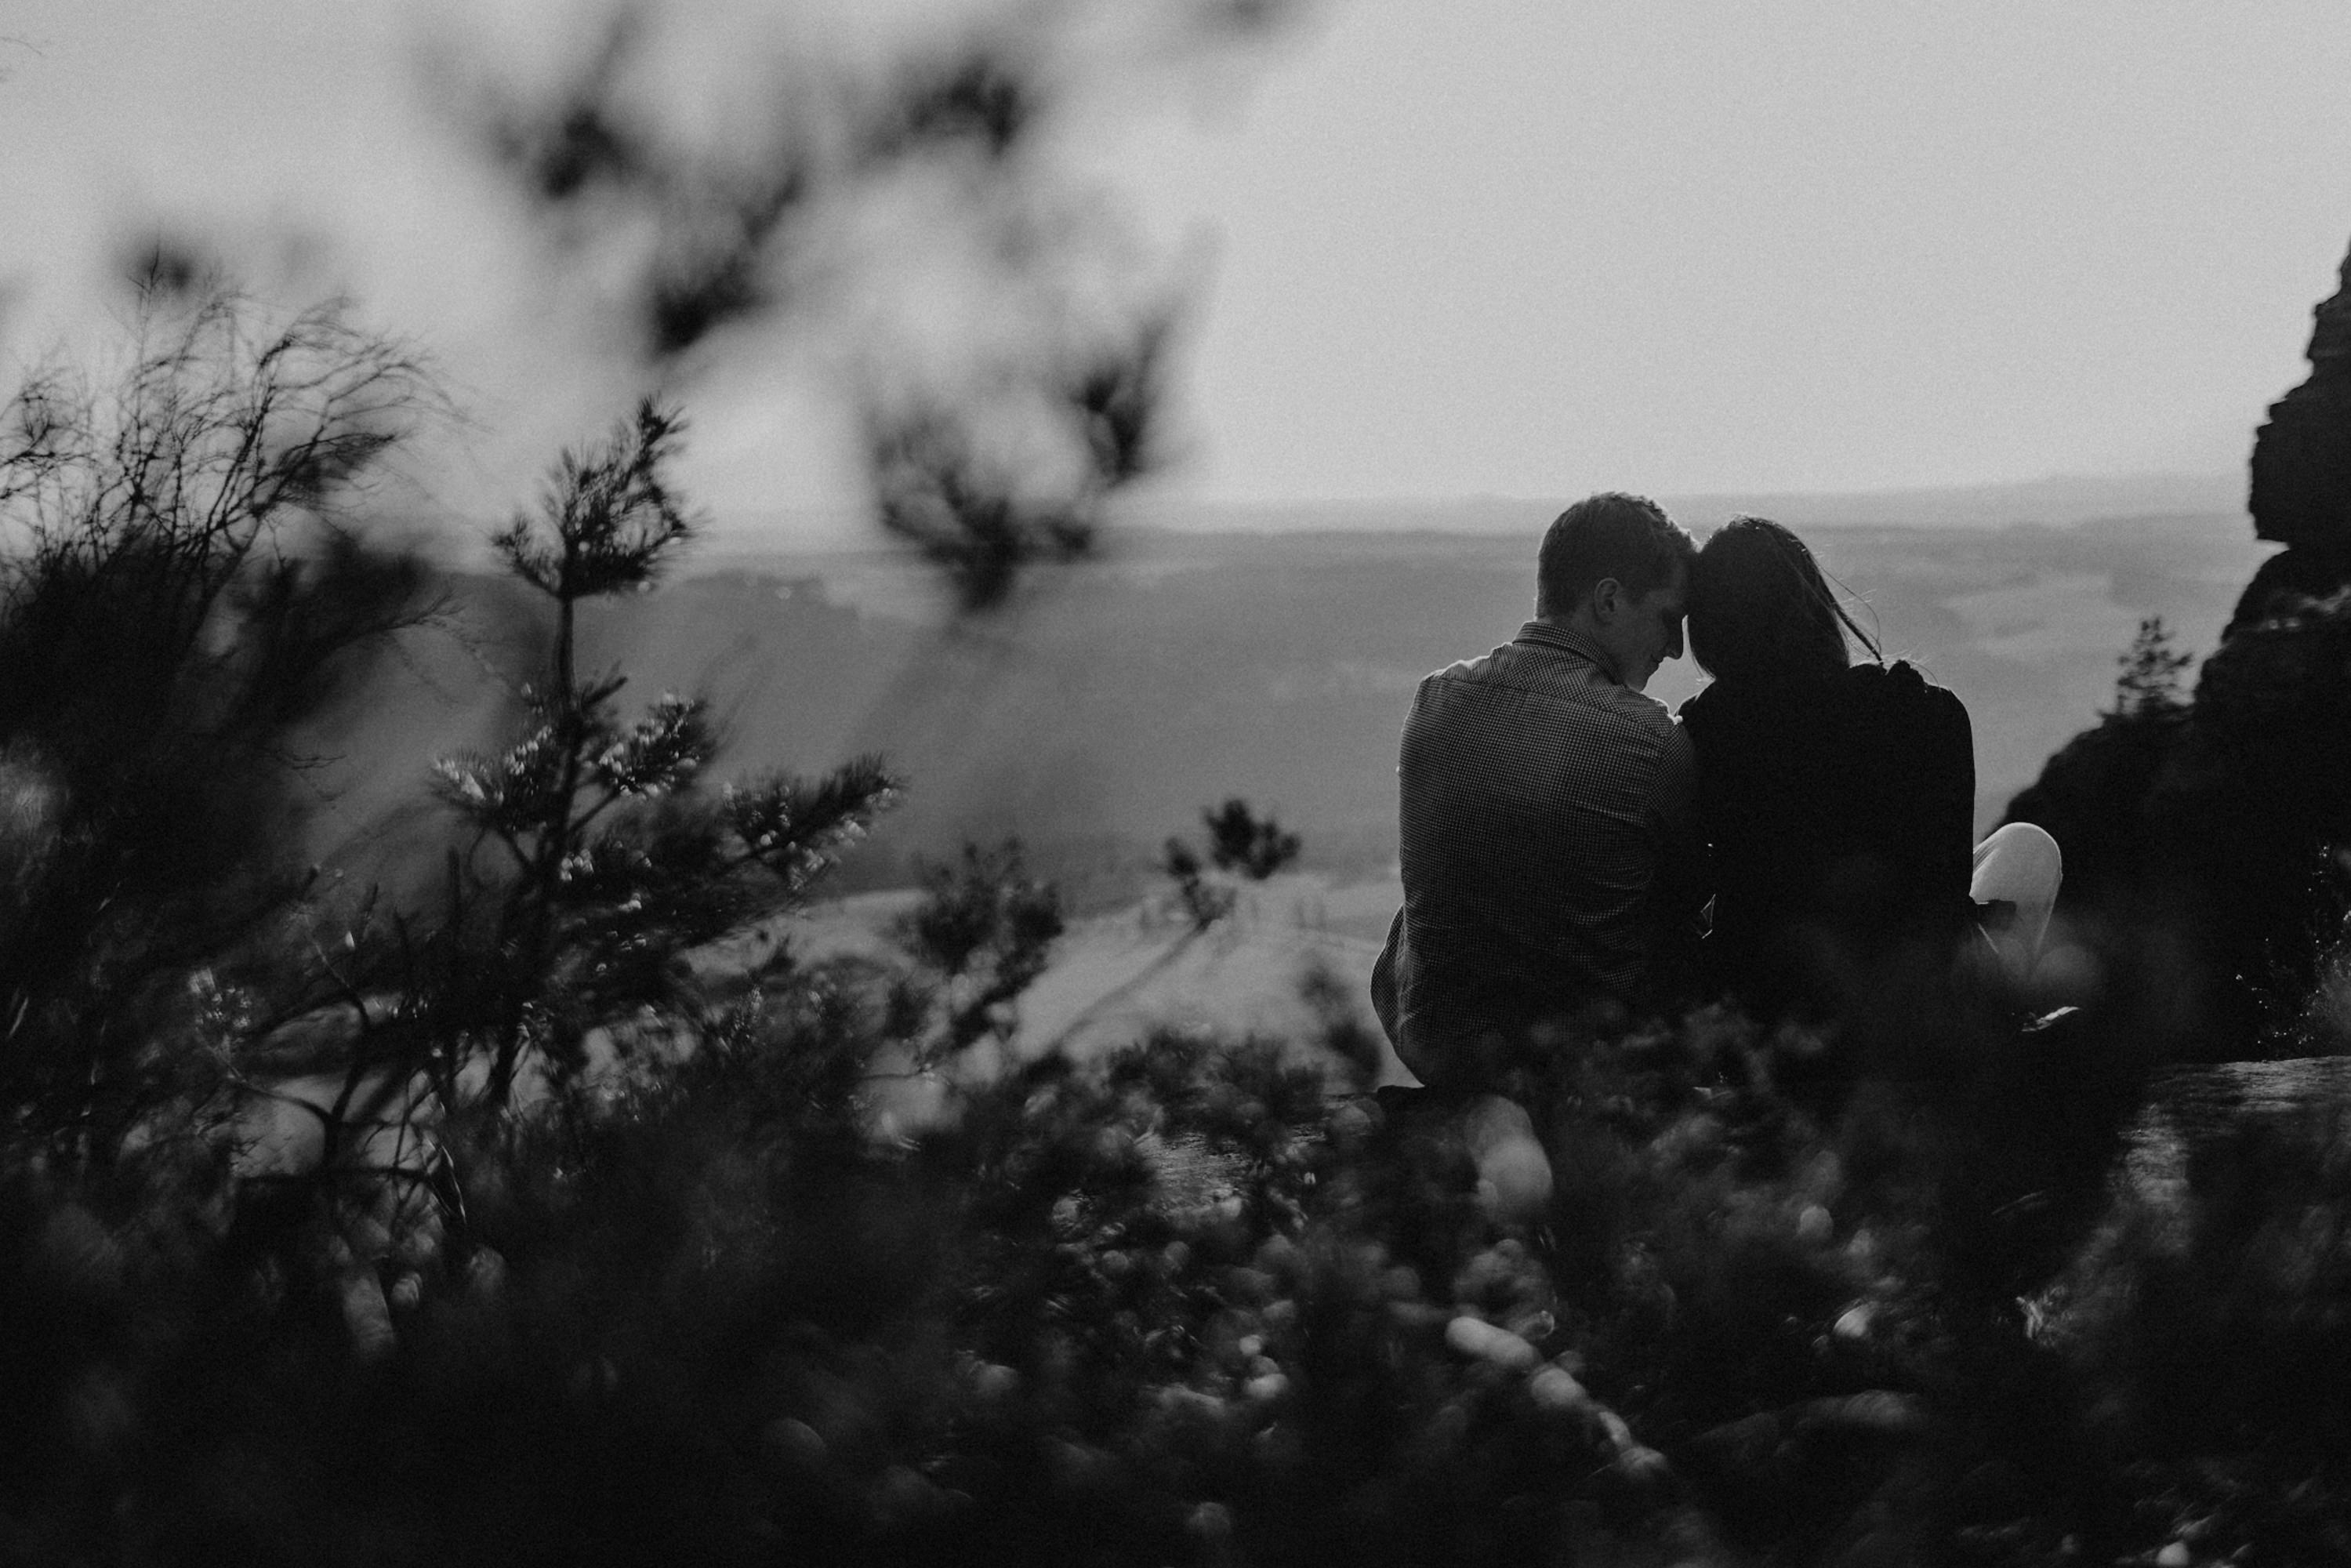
(1197, 1300)
(186, 593)
(2209, 1320)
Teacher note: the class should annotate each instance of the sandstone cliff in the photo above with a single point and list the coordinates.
(2200, 842)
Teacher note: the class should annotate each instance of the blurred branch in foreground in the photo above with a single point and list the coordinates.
(896, 196)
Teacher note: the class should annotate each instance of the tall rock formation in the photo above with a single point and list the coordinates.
(2301, 492)
(2199, 844)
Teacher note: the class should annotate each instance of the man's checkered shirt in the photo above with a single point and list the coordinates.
(1548, 830)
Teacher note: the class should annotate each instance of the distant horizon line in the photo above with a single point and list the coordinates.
(2054, 500)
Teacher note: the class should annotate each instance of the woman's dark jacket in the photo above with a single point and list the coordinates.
(1840, 811)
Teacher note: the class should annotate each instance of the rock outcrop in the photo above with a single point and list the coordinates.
(2199, 842)
(2301, 490)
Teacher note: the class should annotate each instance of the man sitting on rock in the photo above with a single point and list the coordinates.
(1552, 866)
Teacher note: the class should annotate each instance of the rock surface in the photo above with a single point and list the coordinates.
(2301, 490)
(2302, 456)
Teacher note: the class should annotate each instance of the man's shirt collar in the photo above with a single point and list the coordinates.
(1567, 640)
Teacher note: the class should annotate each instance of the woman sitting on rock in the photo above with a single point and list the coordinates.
(1838, 799)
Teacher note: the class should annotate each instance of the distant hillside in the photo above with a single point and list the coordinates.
(2057, 502)
(1116, 697)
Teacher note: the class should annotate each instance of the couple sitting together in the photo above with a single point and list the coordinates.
(1564, 838)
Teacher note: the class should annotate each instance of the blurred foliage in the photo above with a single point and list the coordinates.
(185, 591)
(1239, 841)
(842, 183)
(1240, 845)
(1195, 1301)
(981, 936)
(1203, 901)
(2207, 1325)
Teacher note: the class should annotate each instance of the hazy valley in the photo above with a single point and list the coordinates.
(1116, 697)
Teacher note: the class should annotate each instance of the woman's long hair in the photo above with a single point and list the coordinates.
(1760, 608)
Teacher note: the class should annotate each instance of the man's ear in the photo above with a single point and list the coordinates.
(1608, 597)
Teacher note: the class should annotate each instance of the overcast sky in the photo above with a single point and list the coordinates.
(1513, 247)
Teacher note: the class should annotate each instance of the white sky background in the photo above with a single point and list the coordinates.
(1505, 247)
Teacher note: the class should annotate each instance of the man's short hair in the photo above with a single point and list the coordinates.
(1628, 538)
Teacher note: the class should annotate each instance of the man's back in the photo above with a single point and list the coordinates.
(1547, 828)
